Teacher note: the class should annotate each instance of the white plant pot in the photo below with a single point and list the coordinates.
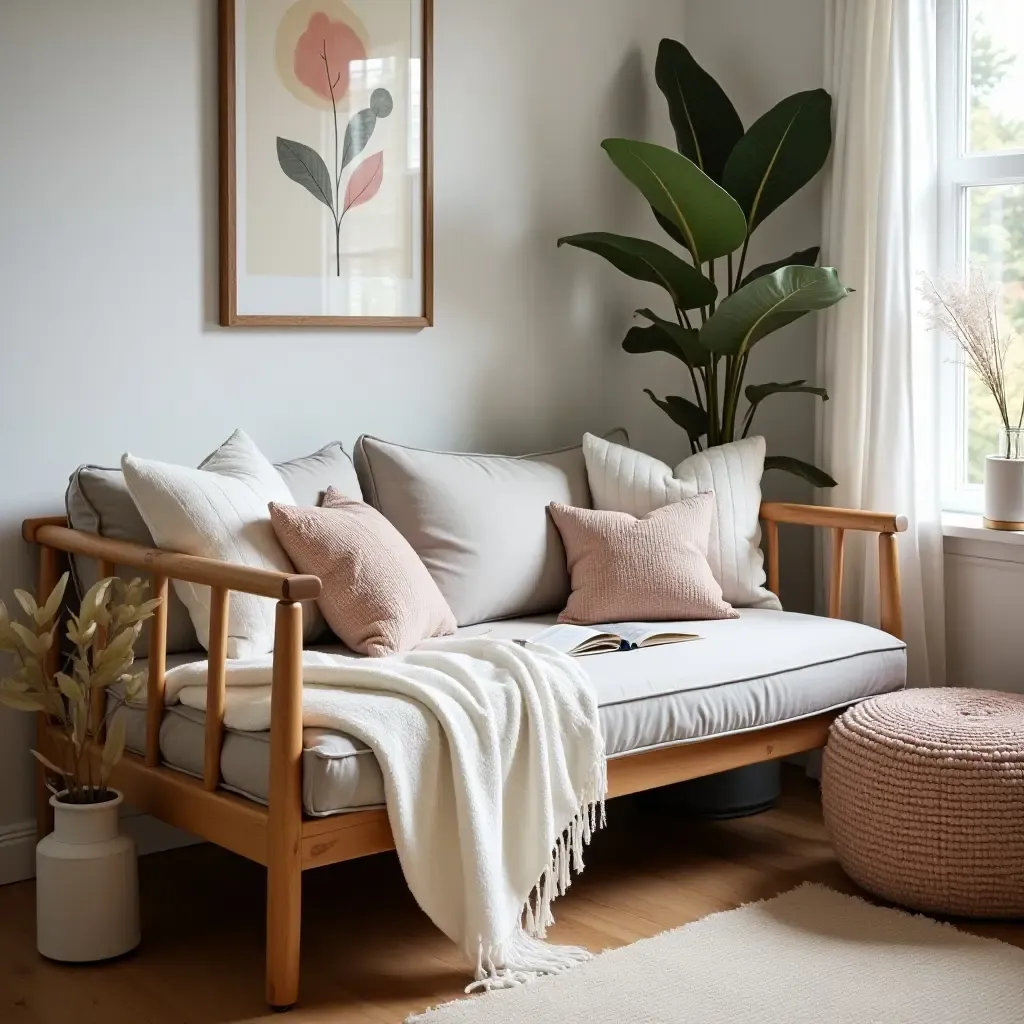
(1004, 493)
(87, 885)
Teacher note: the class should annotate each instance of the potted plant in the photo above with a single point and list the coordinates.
(709, 197)
(86, 882)
(968, 311)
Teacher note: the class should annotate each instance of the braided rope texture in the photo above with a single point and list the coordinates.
(923, 795)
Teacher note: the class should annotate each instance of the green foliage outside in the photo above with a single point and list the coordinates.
(996, 240)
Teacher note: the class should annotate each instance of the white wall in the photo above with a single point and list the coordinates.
(108, 263)
(984, 585)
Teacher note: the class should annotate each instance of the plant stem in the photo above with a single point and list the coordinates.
(337, 158)
(714, 430)
(728, 274)
(748, 421)
(730, 401)
(743, 259)
(682, 318)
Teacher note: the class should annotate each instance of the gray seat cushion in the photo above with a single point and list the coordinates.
(98, 501)
(764, 668)
(480, 523)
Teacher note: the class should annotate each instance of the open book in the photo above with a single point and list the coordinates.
(615, 636)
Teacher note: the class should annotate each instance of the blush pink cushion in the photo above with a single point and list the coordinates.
(377, 595)
(653, 569)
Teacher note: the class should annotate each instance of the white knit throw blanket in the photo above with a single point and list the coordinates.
(494, 776)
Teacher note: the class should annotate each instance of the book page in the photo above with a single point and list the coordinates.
(577, 639)
(636, 634)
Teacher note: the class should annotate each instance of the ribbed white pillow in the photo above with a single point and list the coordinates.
(220, 511)
(625, 480)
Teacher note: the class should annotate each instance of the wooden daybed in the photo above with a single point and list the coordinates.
(279, 835)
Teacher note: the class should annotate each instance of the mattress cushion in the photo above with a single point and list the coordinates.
(764, 668)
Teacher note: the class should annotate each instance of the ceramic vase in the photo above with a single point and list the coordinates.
(87, 887)
(1004, 483)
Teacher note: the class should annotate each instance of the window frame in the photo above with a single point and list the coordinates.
(959, 170)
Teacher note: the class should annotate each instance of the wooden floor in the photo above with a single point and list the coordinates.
(369, 954)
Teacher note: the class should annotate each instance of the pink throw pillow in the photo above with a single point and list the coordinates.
(653, 569)
(377, 595)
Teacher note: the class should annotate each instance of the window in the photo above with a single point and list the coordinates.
(981, 146)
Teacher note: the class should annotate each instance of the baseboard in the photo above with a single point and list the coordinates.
(18, 843)
(17, 851)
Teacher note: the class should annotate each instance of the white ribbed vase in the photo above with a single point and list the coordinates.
(87, 885)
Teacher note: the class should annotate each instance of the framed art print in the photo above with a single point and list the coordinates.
(326, 199)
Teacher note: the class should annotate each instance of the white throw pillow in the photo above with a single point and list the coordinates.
(220, 511)
(625, 480)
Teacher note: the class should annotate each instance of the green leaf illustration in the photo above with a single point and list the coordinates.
(357, 135)
(361, 126)
(305, 166)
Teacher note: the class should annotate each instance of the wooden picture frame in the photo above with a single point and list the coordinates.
(418, 249)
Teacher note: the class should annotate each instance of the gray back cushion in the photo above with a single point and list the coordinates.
(480, 523)
(98, 501)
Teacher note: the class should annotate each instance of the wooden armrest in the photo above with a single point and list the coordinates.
(836, 518)
(208, 572)
(285, 797)
(839, 520)
(30, 527)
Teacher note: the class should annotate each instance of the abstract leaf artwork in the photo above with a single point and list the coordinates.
(326, 162)
(323, 56)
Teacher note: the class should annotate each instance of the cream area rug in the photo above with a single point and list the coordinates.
(808, 956)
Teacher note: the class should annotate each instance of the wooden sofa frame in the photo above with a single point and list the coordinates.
(278, 835)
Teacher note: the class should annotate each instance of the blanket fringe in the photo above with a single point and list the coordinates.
(525, 956)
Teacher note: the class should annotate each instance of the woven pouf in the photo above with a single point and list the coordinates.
(923, 793)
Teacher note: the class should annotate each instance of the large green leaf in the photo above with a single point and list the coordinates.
(691, 417)
(709, 219)
(804, 470)
(306, 166)
(779, 154)
(706, 124)
(767, 304)
(757, 393)
(801, 258)
(685, 339)
(648, 261)
(643, 340)
(670, 229)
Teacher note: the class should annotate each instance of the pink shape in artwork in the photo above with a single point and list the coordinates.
(365, 181)
(323, 55)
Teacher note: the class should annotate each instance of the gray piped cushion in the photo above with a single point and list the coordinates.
(480, 523)
(98, 501)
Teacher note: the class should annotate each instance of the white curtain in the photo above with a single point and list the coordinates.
(879, 435)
